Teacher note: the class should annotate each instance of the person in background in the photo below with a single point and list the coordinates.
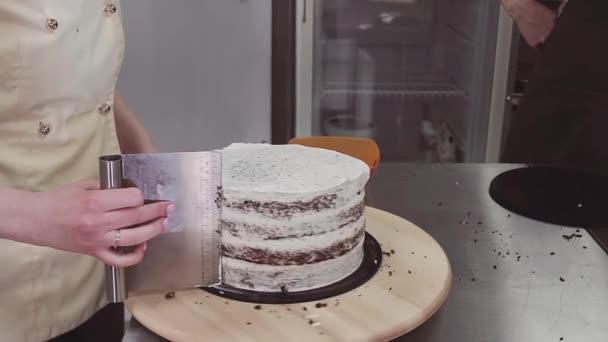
(534, 20)
(59, 112)
(563, 117)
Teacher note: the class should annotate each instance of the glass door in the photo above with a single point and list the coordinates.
(414, 75)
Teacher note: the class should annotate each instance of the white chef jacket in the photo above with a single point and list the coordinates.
(59, 63)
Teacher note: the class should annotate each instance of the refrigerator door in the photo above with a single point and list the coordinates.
(421, 77)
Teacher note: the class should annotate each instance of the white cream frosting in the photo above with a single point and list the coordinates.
(259, 176)
(287, 172)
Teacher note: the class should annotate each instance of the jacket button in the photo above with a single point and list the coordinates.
(105, 108)
(52, 24)
(110, 9)
(44, 129)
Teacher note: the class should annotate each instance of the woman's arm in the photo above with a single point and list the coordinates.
(132, 135)
(535, 21)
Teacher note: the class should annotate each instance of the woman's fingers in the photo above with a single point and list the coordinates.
(137, 235)
(116, 259)
(129, 217)
(114, 199)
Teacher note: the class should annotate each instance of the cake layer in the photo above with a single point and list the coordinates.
(251, 227)
(288, 210)
(288, 179)
(295, 251)
(290, 278)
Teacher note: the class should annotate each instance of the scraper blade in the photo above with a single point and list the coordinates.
(188, 253)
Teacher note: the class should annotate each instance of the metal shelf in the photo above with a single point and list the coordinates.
(421, 88)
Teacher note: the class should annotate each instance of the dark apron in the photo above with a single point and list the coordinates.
(107, 325)
(563, 118)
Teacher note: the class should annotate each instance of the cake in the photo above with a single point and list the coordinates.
(292, 216)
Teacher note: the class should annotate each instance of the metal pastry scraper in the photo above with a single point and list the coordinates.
(187, 254)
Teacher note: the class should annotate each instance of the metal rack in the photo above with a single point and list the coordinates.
(434, 89)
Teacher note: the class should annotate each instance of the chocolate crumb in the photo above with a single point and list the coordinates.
(284, 289)
(533, 272)
(390, 289)
(425, 256)
(473, 279)
(475, 241)
(439, 204)
(552, 253)
(258, 307)
(584, 247)
(305, 308)
(412, 253)
(409, 272)
(561, 338)
(248, 323)
(390, 273)
(311, 322)
(562, 279)
(571, 236)
(494, 267)
(392, 251)
(386, 254)
(320, 305)
(578, 230)
(508, 215)
(170, 295)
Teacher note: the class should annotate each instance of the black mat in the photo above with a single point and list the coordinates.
(560, 196)
(372, 259)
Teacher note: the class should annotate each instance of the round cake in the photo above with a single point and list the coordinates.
(293, 216)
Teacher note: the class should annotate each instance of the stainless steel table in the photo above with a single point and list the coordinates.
(514, 279)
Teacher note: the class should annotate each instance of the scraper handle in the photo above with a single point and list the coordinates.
(110, 172)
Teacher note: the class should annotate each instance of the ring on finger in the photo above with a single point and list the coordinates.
(117, 238)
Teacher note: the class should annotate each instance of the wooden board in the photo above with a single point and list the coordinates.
(411, 285)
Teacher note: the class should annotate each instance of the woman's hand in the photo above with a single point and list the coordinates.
(81, 218)
(534, 20)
